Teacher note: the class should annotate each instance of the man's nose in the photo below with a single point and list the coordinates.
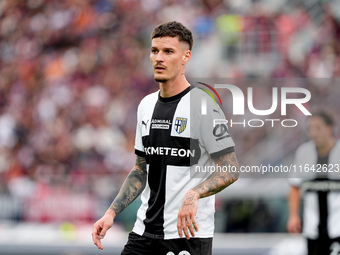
(159, 57)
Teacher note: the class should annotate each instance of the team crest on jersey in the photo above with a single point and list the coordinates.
(180, 124)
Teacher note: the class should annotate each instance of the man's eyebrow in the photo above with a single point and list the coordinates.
(166, 48)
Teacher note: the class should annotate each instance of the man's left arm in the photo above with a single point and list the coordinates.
(215, 183)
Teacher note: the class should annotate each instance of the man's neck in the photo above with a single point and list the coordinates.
(325, 149)
(173, 87)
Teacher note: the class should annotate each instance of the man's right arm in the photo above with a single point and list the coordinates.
(294, 221)
(132, 187)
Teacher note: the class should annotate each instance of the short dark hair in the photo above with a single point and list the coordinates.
(173, 29)
(325, 116)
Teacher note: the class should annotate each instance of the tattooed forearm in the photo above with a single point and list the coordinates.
(218, 181)
(189, 200)
(133, 185)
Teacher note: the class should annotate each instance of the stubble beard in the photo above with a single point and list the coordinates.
(161, 79)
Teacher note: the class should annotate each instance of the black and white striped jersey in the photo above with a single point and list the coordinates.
(321, 189)
(174, 137)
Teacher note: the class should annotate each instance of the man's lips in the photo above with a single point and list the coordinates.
(159, 68)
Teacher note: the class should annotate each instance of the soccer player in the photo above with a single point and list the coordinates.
(177, 211)
(320, 160)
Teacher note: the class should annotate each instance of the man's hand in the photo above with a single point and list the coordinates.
(186, 215)
(294, 224)
(100, 227)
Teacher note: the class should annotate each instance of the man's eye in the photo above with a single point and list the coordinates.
(154, 51)
(168, 51)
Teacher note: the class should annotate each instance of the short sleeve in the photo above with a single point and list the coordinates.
(294, 180)
(304, 155)
(139, 147)
(214, 133)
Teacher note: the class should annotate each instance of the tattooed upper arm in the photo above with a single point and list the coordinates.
(230, 161)
(132, 187)
(227, 159)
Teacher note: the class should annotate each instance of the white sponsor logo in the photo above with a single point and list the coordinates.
(169, 151)
(160, 124)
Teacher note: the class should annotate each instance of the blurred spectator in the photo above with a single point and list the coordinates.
(72, 73)
(319, 184)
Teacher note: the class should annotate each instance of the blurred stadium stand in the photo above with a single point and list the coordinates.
(72, 73)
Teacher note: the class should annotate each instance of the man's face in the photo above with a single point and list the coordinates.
(318, 131)
(168, 56)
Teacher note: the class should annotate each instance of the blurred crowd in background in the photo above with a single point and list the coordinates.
(72, 73)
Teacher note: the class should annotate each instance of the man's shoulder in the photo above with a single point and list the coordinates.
(336, 148)
(198, 92)
(337, 145)
(310, 146)
(307, 146)
(200, 99)
(152, 97)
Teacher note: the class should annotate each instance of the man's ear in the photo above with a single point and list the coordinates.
(186, 56)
